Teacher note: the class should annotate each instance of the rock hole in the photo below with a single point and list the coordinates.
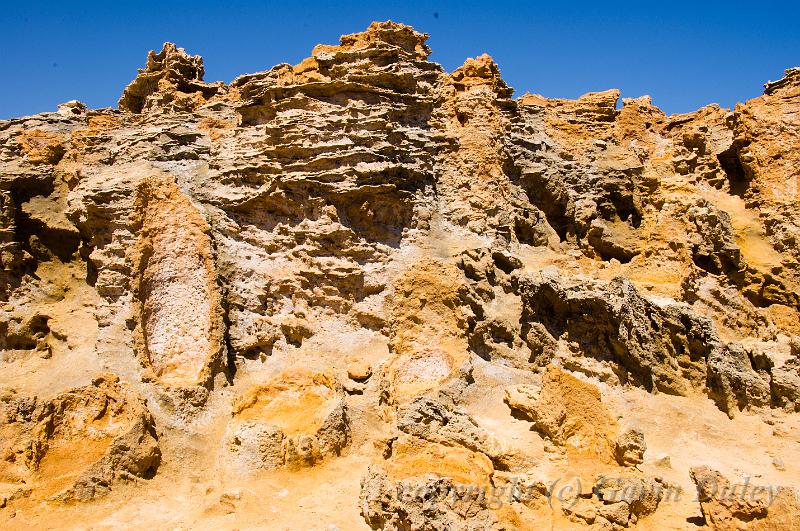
(734, 171)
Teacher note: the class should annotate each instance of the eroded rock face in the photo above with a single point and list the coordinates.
(296, 420)
(423, 503)
(729, 506)
(428, 485)
(180, 314)
(75, 446)
(569, 412)
(365, 274)
(172, 80)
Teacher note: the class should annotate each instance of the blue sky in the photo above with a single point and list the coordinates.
(684, 55)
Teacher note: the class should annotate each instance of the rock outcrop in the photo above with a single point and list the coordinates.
(171, 80)
(744, 506)
(78, 444)
(295, 420)
(365, 291)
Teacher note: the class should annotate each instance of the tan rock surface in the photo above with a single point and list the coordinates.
(361, 291)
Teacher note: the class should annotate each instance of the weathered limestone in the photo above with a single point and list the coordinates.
(171, 81)
(729, 506)
(296, 420)
(77, 445)
(362, 290)
(180, 317)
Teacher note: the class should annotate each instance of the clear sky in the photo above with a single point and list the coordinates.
(683, 54)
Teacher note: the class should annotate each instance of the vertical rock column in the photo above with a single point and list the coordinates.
(179, 329)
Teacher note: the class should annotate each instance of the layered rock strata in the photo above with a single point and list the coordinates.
(381, 295)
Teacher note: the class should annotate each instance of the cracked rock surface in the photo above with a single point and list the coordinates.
(364, 292)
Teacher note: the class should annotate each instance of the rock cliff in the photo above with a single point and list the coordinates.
(363, 292)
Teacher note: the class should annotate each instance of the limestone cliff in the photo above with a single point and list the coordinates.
(361, 291)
